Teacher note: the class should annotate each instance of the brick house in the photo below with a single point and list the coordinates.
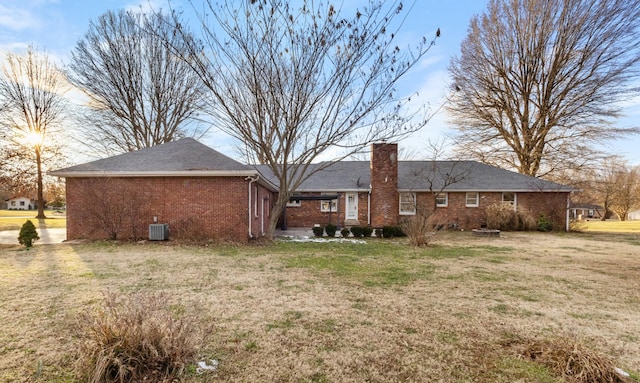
(384, 190)
(199, 191)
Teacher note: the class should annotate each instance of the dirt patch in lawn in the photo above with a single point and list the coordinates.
(316, 312)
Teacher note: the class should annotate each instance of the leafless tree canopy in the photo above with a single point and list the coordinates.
(33, 92)
(140, 93)
(537, 84)
(616, 186)
(290, 83)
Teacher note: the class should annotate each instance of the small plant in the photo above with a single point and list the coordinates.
(318, 231)
(345, 232)
(133, 339)
(357, 231)
(367, 231)
(544, 224)
(331, 229)
(392, 232)
(28, 234)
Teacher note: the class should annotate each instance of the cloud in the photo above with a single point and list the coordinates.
(18, 19)
(146, 6)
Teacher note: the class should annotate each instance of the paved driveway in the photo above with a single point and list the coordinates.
(47, 236)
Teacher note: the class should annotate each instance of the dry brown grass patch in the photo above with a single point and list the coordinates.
(135, 338)
(573, 360)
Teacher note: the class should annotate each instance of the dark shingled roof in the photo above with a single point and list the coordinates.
(189, 157)
(468, 176)
(339, 176)
(184, 155)
(422, 176)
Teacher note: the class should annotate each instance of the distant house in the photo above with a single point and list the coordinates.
(634, 215)
(583, 211)
(199, 191)
(21, 203)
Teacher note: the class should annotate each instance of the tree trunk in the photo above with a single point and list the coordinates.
(40, 185)
(276, 212)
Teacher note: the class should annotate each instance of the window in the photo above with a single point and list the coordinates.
(21, 203)
(472, 199)
(13, 203)
(509, 198)
(294, 203)
(327, 206)
(442, 199)
(407, 203)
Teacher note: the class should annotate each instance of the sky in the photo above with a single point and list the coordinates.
(55, 26)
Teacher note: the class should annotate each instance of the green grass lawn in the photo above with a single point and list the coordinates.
(611, 226)
(14, 219)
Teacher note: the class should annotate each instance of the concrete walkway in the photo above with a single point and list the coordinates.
(52, 236)
(47, 236)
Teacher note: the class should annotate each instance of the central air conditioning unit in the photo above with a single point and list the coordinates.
(158, 232)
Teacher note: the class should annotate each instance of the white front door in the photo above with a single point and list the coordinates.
(352, 205)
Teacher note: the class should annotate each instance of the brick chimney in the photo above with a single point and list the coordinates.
(384, 184)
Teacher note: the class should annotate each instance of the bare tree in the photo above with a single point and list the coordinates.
(33, 90)
(140, 92)
(537, 85)
(439, 175)
(626, 190)
(615, 185)
(290, 83)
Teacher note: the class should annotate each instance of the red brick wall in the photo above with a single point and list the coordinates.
(194, 207)
(384, 184)
(552, 205)
(260, 209)
(309, 214)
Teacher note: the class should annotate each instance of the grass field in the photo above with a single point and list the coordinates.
(14, 219)
(612, 226)
(459, 311)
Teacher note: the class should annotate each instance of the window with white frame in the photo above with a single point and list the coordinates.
(328, 205)
(472, 199)
(407, 203)
(510, 199)
(442, 199)
(294, 203)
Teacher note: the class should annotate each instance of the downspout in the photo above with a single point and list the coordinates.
(262, 217)
(251, 181)
(567, 228)
(369, 207)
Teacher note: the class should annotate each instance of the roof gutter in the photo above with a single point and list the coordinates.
(169, 173)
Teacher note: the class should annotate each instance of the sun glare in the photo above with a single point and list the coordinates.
(34, 138)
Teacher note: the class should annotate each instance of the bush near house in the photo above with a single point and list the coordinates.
(318, 231)
(357, 231)
(504, 217)
(28, 234)
(392, 232)
(331, 229)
